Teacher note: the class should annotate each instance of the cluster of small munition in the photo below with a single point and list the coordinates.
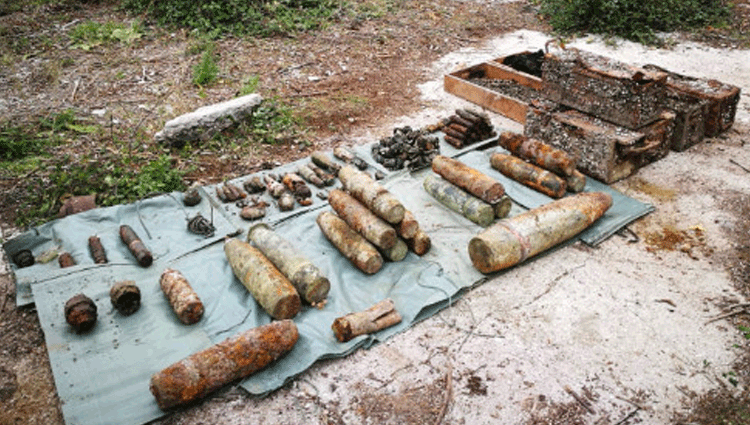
(408, 148)
(467, 127)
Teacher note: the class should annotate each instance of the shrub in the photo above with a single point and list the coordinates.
(636, 20)
(254, 17)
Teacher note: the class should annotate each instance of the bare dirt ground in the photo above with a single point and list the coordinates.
(619, 334)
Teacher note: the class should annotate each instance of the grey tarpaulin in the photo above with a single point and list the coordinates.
(102, 377)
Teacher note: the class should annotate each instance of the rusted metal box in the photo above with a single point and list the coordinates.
(690, 119)
(603, 150)
(722, 98)
(497, 87)
(603, 87)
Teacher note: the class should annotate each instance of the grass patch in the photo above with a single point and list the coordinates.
(206, 71)
(90, 34)
(635, 20)
(219, 17)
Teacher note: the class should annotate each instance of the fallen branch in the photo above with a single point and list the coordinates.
(310, 94)
(629, 415)
(739, 165)
(737, 309)
(448, 395)
(586, 405)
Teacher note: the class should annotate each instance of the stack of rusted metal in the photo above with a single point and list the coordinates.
(406, 148)
(612, 117)
(369, 223)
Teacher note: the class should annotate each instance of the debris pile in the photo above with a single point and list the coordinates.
(408, 148)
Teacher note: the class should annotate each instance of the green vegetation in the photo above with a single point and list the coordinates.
(90, 34)
(250, 86)
(255, 17)
(207, 70)
(635, 20)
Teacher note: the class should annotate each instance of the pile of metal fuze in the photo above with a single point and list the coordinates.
(613, 118)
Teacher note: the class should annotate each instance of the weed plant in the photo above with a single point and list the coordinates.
(207, 70)
(637, 20)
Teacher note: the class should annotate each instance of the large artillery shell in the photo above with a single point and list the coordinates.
(530, 175)
(513, 240)
(181, 296)
(408, 226)
(372, 194)
(125, 297)
(324, 161)
(66, 260)
(271, 289)
(459, 201)
(97, 250)
(420, 243)
(378, 317)
(473, 181)
(502, 208)
(301, 272)
(359, 218)
(237, 357)
(539, 153)
(576, 181)
(351, 244)
(136, 246)
(397, 252)
(80, 313)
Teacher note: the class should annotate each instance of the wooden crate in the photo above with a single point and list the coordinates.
(602, 150)
(605, 88)
(690, 119)
(462, 84)
(722, 98)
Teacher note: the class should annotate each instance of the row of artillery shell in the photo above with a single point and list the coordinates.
(542, 157)
(513, 240)
(237, 357)
(351, 244)
(459, 201)
(373, 195)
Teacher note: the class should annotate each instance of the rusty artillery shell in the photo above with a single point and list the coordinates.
(455, 134)
(468, 115)
(297, 186)
(324, 161)
(23, 258)
(346, 155)
(275, 188)
(459, 201)
(378, 317)
(538, 153)
(271, 289)
(327, 178)
(97, 250)
(513, 240)
(462, 122)
(254, 185)
(420, 243)
(408, 227)
(576, 181)
(66, 260)
(125, 297)
(502, 208)
(237, 357)
(310, 283)
(473, 181)
(136, 246)
(372, 194)
(397, 252)
(351, 244)
(80, 313)
(528, 174)
(191, 197)
(286, 202)
(308, 174)
(364, 221)
(183, 299)
(456, 143)
(253, 212)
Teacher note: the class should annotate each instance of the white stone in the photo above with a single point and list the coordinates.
(208, 120)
